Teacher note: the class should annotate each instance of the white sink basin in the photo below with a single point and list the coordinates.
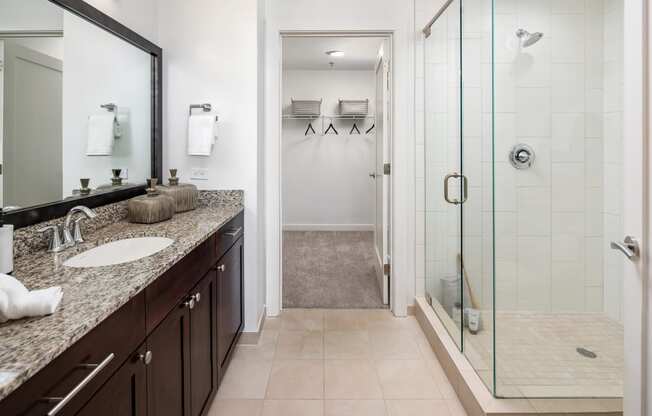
(118, 252)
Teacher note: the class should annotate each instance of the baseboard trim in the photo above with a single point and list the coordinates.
(328, 227)
(251, 338)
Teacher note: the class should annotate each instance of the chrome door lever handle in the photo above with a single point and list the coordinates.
(629, 247)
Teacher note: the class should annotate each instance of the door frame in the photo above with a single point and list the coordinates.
(636, 185)
(384, 64)
(274, 298)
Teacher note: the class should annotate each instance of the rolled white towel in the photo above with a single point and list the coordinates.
(17, 302)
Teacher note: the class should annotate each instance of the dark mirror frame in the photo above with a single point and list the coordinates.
(44, 212)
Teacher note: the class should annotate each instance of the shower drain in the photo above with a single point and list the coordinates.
(586, 353)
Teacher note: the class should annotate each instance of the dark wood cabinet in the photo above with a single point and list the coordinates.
(188, 320)
(203, 343)
(125, 393)
(168, 375)
(230, 311)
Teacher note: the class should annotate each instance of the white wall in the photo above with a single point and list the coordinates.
(139, 16)
(121, 74)
(396, 16)
(30, 15)
(210, 51)
(326, 181)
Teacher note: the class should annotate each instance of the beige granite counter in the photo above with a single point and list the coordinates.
(92, 294)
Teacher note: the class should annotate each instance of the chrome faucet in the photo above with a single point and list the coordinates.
(64, 237)
(74, 236)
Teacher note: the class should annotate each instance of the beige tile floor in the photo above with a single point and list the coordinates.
(337, 363)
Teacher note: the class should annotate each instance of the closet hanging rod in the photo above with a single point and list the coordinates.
(336, 117)
(427, 30)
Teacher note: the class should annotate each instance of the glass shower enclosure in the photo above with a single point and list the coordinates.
(523, 166)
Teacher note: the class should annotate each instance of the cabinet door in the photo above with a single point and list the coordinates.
(168, 375)
(203, 340)
(124, 394)
(229, 289)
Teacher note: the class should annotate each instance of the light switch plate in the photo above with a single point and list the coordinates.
(199, 174)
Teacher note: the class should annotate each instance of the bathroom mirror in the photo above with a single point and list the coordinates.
(80, 99)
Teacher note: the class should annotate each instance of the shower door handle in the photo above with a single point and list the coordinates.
(465, 188)
(629, 247)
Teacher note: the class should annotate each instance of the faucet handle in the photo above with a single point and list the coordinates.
(77, 232)
(55, 244)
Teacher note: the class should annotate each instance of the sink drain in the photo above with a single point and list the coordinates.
(586, 353)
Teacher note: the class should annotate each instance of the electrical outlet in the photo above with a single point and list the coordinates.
(199, 174)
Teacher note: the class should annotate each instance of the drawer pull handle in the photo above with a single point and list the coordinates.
(234, 232)
(221, 268)
(63, 401)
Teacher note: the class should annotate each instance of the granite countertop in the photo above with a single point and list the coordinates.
(91, 295)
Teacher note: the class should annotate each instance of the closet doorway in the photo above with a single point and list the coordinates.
(335, 171)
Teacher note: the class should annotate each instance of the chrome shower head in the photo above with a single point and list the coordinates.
(527, 38)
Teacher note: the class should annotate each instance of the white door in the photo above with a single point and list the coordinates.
(32, 127)
(636, 192)
(382, 180)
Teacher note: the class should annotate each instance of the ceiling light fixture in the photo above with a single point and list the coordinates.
(334, 53)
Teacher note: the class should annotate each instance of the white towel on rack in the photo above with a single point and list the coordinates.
(100, 135)
(17, 302)
(201, 134)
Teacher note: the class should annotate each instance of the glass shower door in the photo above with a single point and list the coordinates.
(459, 178)
(445, 184)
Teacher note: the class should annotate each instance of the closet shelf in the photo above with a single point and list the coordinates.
(336, 117)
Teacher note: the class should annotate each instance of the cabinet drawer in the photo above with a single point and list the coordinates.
(229, 234)
(169, 290)
(80, 371)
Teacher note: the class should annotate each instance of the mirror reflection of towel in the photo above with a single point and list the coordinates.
(201, 134)
(100, 135)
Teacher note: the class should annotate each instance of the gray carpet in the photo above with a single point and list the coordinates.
(329, 269)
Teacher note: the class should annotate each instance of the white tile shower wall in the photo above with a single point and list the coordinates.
(612, 207)
(558, 96)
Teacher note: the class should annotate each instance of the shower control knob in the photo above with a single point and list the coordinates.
(522, 156)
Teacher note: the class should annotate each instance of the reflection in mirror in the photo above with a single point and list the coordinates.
(75, 107)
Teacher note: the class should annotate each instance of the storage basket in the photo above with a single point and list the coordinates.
(354, 107)
(306, 107)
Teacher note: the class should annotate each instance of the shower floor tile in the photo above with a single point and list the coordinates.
(537, 355)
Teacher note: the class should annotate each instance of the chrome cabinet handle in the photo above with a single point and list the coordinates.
(234, 232)
(629, 247)
(221, 268)
(146, 358)
(190, 303)
(63, 401)
(465, 188)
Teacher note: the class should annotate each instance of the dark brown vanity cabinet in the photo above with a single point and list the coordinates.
(230, 309)
(126, 391)
(161, 354)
